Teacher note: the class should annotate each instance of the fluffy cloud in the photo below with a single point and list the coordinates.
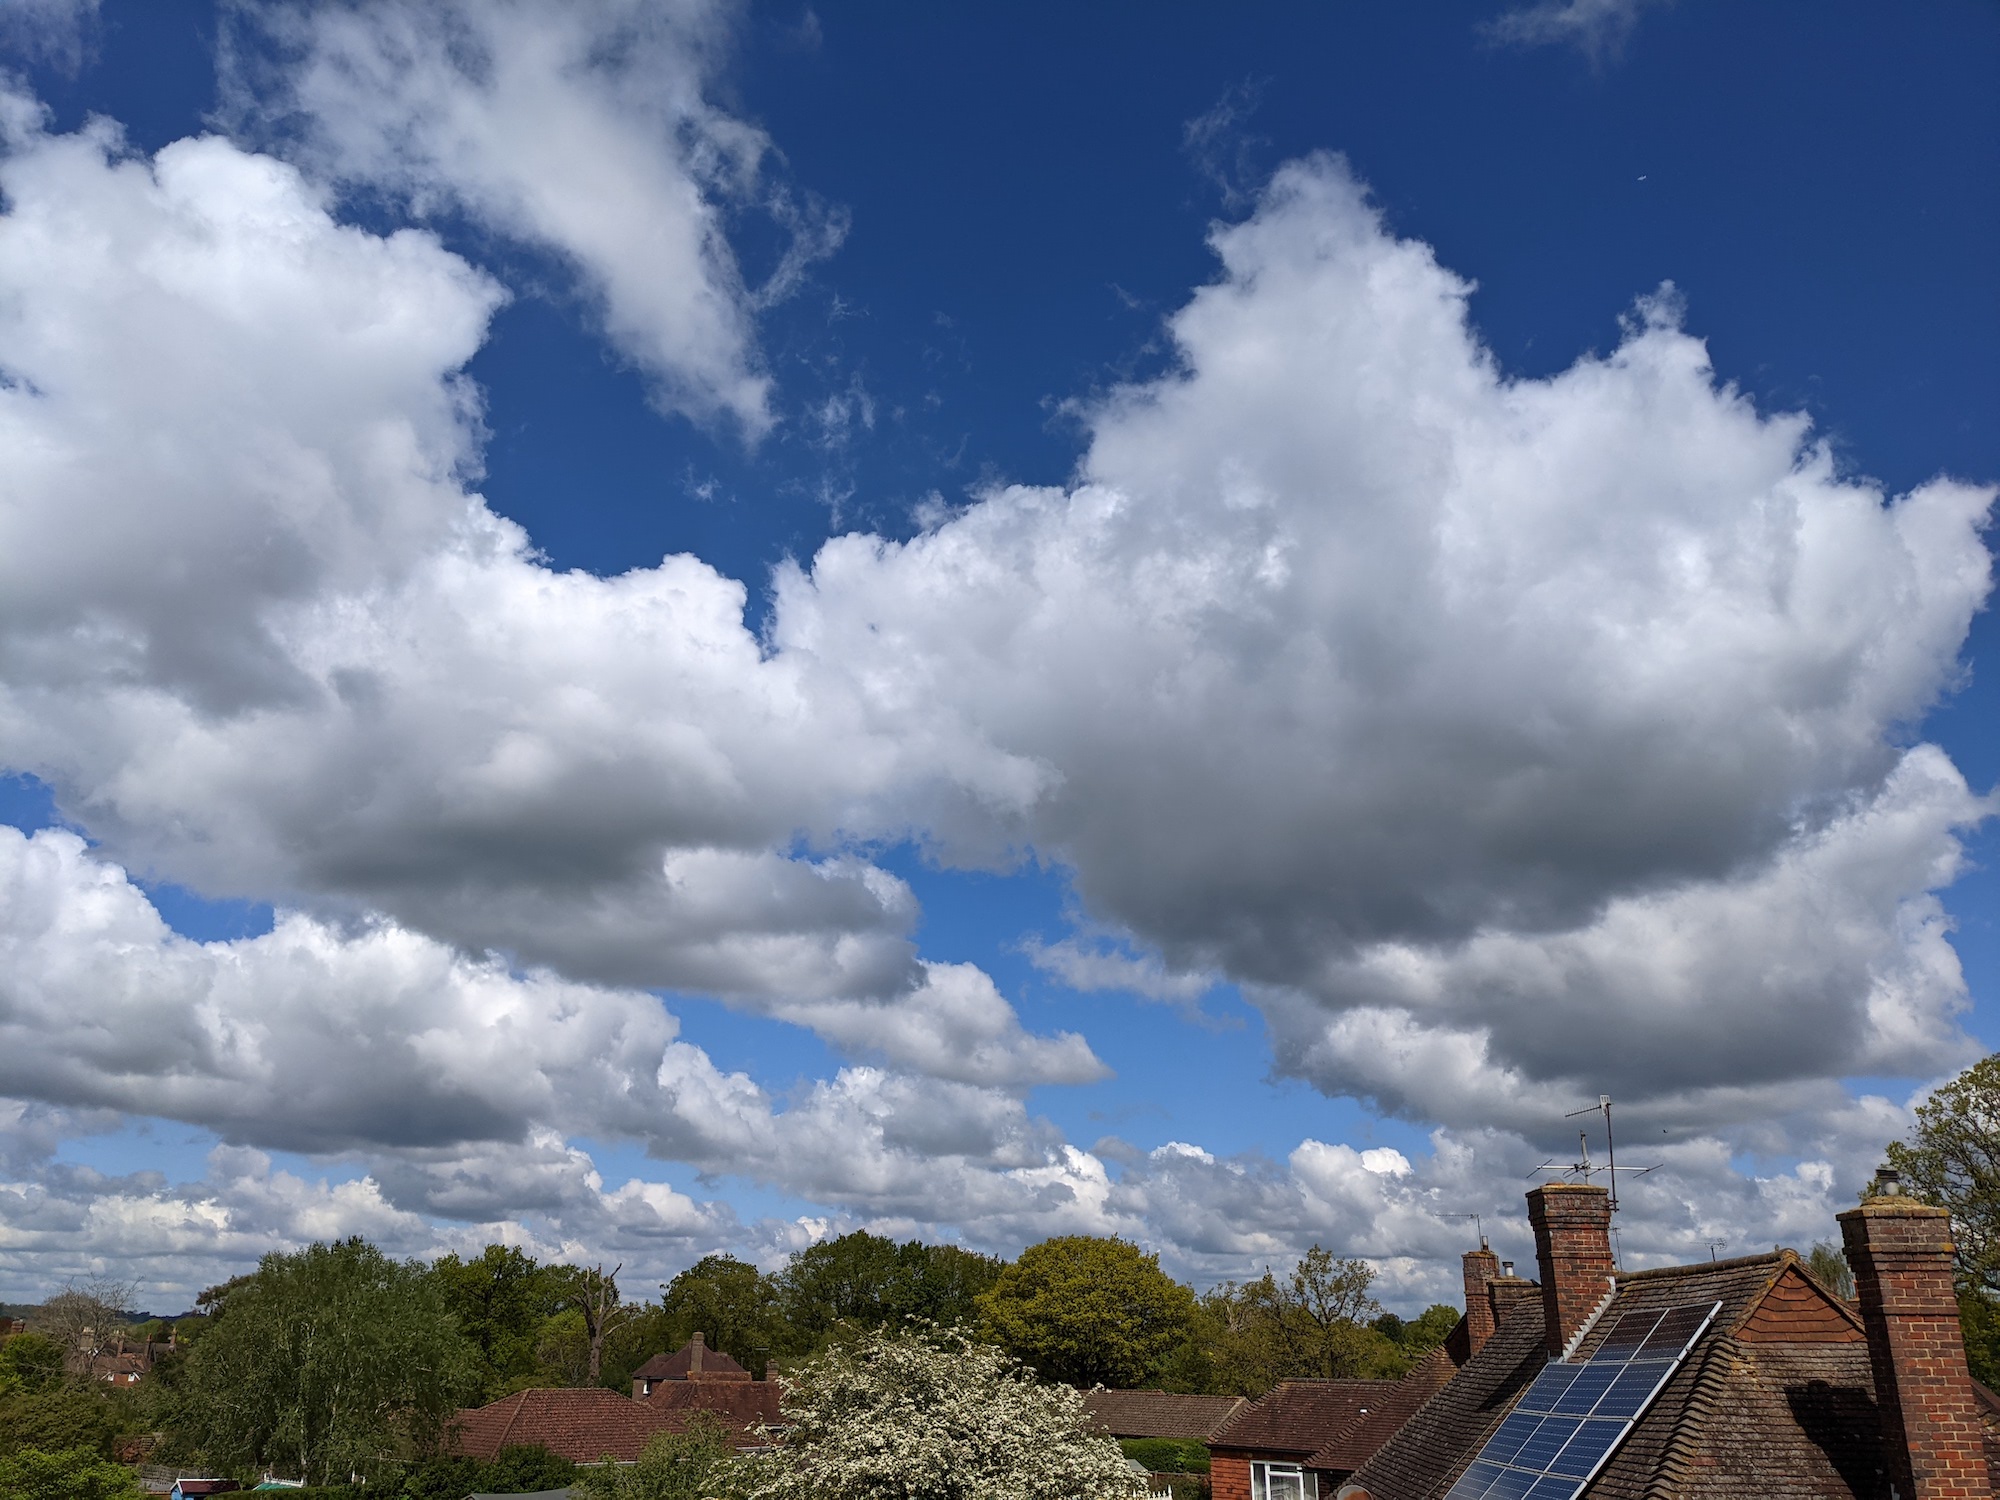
(578, 127)
(1504, 723)
(1491, 732)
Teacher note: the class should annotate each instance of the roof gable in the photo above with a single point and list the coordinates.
(1353, 1447)
(1795, 1309)
(1299, 1416)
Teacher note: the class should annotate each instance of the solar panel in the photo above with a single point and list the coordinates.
(1575, 1415)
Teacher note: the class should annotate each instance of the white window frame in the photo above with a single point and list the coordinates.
(1294, 1482)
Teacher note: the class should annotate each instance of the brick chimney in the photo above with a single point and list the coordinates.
(1482, 1266)
(1572, 1223)
(696, 1346)
(1901, 1253)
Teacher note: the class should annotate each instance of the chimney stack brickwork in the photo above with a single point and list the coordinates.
(1482, 1267)
(1901, 1254)
(1572, 1224)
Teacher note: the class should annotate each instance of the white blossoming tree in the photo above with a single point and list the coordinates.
(931, 1415)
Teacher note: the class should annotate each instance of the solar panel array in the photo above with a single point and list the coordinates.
(1572, 1419)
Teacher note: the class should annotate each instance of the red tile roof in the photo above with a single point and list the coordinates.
(1159, 1414)
(694, 1360)
(582, 1426)
(1349, 1449)
(1299, 1416)
(740, 1404)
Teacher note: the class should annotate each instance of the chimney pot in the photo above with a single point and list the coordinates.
(1901, 1253)
(1507, 1269)
(1572, 1223)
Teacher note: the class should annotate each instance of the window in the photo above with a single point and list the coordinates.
(1282, 1482)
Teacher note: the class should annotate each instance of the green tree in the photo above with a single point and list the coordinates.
(518, 1470)
(1952, 1160)
(734, 1304)
(863, 1280)
(927, 1414)
(697, 1463)
(63, 1417)
(1089, 1311)
(1828, 1262)
(324, 1362)
(501, 1298)
(30, 1362)
(71, 1474)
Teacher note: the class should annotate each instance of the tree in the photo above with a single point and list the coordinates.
(30, 1362)
(60, 1417)
(927, 1414)
(734, 1304)
(85, 1318)
(592, 1294)
(863, 1280)
(72, 1474)
(1089, 1311)
(1313, 1318)
(1953, 1161)
(1828, 1262)
(500, 1298)
(521, 1469)
(696, 1463)
(325, 1362)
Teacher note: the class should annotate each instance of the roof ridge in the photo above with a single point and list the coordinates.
(1735, 1263)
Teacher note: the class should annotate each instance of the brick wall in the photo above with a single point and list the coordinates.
(1482, 1266)
(1901, 1253)
(1229, 1476)
(1572, 1223)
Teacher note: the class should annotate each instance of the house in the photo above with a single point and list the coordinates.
(694, 1362)
(1159, 1414)
(592, 1425)
(697, 1378)
(126, 1361)
(1304, 1438)
(1740, 1378)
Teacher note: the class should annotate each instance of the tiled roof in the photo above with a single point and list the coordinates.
(1775, 1400)
(1299, 1416)
(741, 1404)
(582, 1426)
(715, 1365)
(1350, 1449)
(1159, 1414)
(1433, 1445)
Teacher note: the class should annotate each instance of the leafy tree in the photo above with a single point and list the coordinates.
(30, 1362)
(519, 1470)
(695, 1464)
(71, 1474)
(501, 1298)
(863, 1280)
(927, 1414)
(1953, 1161)
(1167, 1455)
(734, 1304)
(1828, 1262)
(62, 1417)
(1418, 1336)
(1089, 1311)
(325, 1362)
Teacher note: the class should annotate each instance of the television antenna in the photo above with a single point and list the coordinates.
(1583, 1168)
(1713, 1246)
(1478, 1225)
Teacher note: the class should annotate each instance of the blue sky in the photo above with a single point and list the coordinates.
(1638, 801)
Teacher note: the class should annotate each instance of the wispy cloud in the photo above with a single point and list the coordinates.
(1597, 28)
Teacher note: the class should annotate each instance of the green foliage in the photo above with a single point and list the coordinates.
(1309, 1324)
(863, 1280)
(60, 1418)
(324, 1362)
(927, 1414)
(1953, 1161)
(1167, 1455)
(1979, 1318)
(734, 1304)
(1088, 1311)
(1828, 1262)
(513, 1471)
(501, 1298)
(30, 1362)
(68, 1474)
(696, 1464)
